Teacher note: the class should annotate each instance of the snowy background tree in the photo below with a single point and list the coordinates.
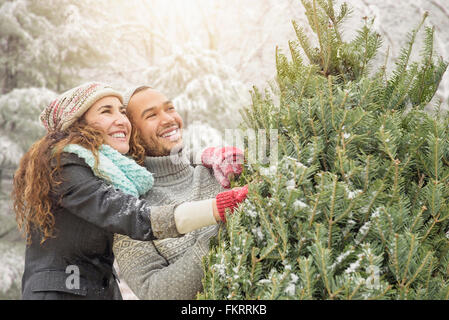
(204, 88)
(19, 115)
(47, 47)
(50, 43)
(207, 92)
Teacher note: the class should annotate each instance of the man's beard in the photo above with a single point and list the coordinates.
(156, 149)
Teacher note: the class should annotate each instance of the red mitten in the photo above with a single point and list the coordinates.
(230, 199)
(226, 163)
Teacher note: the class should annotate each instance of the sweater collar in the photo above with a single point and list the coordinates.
(169, 169)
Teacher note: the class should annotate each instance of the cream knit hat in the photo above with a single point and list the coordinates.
(72, 104)
(130, 92)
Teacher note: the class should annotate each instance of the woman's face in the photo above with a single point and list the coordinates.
(108, 114)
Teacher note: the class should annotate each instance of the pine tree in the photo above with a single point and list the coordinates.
(357, 205)
(19, 118)
(51, 43)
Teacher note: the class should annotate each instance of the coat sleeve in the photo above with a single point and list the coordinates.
(90, 198)
(151, 277)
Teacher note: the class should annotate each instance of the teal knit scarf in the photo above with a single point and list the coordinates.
(122, 172)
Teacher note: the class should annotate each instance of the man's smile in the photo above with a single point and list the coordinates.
(171, 134)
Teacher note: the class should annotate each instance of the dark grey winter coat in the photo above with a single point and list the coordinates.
(87, 212)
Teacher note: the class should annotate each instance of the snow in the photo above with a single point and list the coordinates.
(221, 269)
(341, 258)
(294, 278)
(19, 112)
(363, 232)
(290, 289)
(250, 209)
(352, 194)
(291, 286)
(296, 162)
(234, 49)
(258, 232)
(264, 281)
(353, 267)
(11, 267)
(268, 172)
(10, 152)
(298, 204)
(290, 184)
(376, 213)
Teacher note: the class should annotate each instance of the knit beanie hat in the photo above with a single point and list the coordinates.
(130, 92)
(72, 104)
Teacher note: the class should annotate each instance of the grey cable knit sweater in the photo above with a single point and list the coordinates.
(169, 268)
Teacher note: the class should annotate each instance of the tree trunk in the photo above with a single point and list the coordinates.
(10, 81)
(58, 81)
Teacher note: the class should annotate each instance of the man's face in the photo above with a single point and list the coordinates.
(158, 123)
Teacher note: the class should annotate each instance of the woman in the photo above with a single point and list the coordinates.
(74, 189)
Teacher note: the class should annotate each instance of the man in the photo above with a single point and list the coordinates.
(171, 268)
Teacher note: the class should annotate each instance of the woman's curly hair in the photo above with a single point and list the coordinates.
(38, 174)
(136, 144)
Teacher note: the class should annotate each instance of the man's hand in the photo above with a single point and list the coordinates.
(226, 163)
(228, 199)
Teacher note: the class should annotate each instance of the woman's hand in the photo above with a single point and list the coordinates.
(228, 199)
(226, 163)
